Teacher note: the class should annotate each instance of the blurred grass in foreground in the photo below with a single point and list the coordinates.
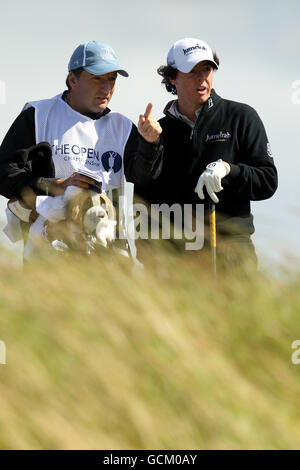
(99, 357)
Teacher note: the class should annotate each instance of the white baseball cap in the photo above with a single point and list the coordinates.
(188, 52)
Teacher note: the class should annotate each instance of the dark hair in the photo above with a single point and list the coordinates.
(77, 73)
(169, 73)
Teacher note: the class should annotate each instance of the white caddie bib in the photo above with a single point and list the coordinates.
(79, 142)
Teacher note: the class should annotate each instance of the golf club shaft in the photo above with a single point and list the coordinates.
(213, 235)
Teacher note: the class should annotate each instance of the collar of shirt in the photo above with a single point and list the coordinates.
(176, 113)
(90, 115)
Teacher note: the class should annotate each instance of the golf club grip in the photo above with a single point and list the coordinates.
(212, 224)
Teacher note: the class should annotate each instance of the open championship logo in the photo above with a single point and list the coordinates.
(111, 161)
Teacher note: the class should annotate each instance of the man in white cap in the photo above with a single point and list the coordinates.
(73, 139)
(212, 146)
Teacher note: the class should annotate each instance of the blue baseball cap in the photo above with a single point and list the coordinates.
(95, 57)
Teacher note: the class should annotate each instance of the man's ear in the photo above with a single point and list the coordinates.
(72, 79)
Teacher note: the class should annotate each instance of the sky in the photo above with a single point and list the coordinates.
(257, 43)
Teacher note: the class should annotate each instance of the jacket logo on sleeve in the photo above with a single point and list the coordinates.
(220, 137)
(111, 161)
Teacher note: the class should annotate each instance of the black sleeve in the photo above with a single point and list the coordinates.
(142, 160)
(255, 178)
(21, 135)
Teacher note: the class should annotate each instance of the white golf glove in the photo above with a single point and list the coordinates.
(211, 179)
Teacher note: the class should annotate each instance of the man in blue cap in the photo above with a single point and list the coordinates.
(73, 138)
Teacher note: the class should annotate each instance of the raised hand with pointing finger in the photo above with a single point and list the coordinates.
(148, 126)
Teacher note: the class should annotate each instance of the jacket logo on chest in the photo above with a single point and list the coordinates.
(210, 103)
(220, 137)
(111, 161)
